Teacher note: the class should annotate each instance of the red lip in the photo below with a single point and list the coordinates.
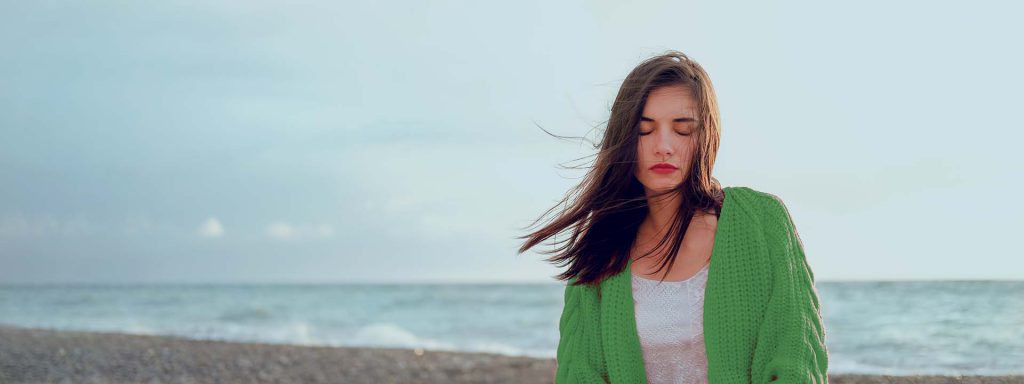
(663, 166)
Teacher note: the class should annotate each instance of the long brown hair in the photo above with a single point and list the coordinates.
(605, 210)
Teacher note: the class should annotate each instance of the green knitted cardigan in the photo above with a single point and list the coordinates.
(762, 318)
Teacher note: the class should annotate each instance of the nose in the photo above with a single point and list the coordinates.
(663, 147)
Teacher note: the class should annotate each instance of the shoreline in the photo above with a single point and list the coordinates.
(30, 355)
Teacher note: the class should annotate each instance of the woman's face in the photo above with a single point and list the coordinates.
(667, 136)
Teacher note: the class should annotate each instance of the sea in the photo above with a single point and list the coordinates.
(888, 327)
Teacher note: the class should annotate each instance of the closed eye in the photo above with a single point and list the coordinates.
(680, 133)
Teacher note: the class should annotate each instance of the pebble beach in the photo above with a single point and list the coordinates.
(30, 355)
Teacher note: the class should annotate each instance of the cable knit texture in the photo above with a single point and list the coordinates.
(762, 317)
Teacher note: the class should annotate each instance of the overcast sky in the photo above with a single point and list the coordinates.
(250, 141)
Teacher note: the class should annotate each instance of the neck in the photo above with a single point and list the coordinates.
(660, 210)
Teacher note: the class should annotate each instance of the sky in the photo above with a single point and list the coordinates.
(369, 141)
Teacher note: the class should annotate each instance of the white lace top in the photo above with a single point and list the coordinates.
(670, 323)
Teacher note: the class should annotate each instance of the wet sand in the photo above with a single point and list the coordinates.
(46, 356)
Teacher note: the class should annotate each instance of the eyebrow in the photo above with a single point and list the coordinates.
(676, 120)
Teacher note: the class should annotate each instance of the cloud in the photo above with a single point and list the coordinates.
(211, 228)
(284, 231)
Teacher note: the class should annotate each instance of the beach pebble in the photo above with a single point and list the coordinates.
(36, 355)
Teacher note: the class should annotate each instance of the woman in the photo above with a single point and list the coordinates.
(672, 278)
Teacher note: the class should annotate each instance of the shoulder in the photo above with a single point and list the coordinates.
(774, 218)
(752, 194)
(755, 202)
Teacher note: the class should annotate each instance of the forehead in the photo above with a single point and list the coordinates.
(670, 101)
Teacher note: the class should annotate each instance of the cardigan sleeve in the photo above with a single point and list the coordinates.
(791, 339)
(576, 351)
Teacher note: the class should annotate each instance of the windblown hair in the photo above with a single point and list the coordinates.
(605, 210)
